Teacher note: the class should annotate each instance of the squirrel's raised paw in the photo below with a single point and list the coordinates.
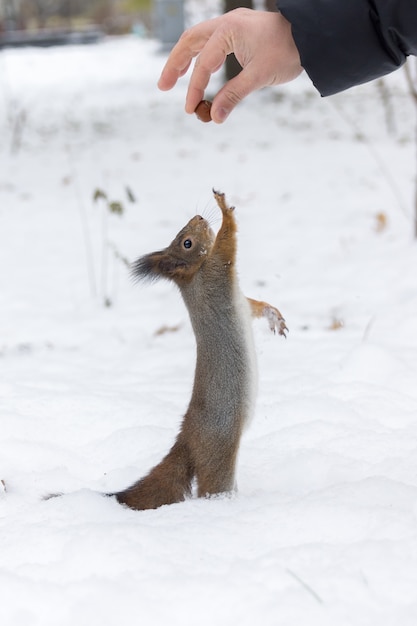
(221, 201)
(275, 320)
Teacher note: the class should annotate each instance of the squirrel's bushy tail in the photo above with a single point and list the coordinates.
(168, 482)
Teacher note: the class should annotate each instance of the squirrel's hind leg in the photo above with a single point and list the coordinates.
(216, 474)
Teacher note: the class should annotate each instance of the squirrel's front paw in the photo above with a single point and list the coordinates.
(275, 320)
(221, 201)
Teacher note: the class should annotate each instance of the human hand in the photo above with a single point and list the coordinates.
(262, 43)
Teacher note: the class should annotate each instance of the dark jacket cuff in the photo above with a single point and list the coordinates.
(342, 43)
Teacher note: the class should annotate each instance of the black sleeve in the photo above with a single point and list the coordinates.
(343, 43)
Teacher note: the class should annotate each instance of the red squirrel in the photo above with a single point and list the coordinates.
(202, 265)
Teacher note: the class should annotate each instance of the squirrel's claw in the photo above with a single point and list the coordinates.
(283, 329)
(275, 320)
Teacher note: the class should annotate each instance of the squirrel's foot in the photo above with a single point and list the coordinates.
(275, 320)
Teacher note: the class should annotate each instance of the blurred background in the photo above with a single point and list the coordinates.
(112, 16)
(58, 22)
(108, 16)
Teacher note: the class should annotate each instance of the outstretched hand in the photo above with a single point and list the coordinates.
(262, 43)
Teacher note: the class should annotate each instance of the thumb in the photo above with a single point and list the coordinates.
(231, 94)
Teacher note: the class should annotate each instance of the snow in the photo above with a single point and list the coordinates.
(323, 530)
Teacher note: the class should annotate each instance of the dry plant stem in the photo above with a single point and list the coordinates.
(104, 252)
(389, 179)
(385, 95)
(307, 587)
(84, 224)
(18, 124)
(16, 115)
(412, 86)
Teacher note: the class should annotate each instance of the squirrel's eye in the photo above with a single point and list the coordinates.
(187, 243)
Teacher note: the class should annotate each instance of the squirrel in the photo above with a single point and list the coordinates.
(203, 266)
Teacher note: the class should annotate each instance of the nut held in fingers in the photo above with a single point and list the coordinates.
(203, 111)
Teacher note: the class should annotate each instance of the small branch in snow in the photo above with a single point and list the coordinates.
(305, 586)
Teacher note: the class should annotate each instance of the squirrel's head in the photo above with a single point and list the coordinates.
(182, 258)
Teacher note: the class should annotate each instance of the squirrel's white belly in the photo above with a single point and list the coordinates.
(243, 309)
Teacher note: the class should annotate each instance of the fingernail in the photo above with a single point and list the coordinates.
(222, 114)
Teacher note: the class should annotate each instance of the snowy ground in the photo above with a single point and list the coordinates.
(323, 530)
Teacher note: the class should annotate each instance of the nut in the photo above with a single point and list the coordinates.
(203, 111)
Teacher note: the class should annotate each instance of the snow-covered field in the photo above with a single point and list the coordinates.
(323, 530)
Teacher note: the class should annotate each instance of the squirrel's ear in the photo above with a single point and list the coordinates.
(156, 265)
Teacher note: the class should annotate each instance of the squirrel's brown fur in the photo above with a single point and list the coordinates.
(203, 267)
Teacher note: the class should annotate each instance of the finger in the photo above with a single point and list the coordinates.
(170, 75)
(209, 61)
(189, 45)
(200, 78)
